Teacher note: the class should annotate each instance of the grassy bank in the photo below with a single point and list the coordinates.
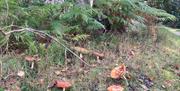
(149, 66)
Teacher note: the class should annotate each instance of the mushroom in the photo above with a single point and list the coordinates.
(81, 50)
(21, 74)
(60, 84)
(118, 71)
(100, 55)
(63, 84)
(32, 59)
(115, 88)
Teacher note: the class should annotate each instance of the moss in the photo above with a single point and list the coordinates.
(168, 75)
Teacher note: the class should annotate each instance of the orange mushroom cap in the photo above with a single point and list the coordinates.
(32, 58)
(29, 58)
(62, 84)
(115, 88)
(118, 71)
(98, 54)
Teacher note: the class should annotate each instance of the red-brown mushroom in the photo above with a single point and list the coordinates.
(115, 88)
(32, 60)
(63, 84)
(118, 71)
(60, 84)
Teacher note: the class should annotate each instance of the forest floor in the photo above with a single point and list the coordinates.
(154, 67)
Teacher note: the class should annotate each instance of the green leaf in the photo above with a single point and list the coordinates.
(1, 89)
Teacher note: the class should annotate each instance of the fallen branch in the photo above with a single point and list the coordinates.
(45, 34)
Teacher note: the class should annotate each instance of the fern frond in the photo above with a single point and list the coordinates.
(160, 14)
(94, 25)
(80, 37)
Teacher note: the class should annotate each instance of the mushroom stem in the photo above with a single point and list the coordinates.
(32, 65)
(64, 89)
(98, 60)
(126, 80)
(48, 90)
(65, 56)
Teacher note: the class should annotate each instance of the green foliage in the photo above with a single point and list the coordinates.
(56, 56)
(119, 12)
(16, 12)
(160, 14)
(70, 18)
(80, 19)
(80, 37)
(1, 89)
(116, 11)
(171, 6)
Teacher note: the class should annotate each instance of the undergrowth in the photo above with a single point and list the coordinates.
(106, 27)
(71, 21)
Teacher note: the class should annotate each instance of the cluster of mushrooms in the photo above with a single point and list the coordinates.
(116, 73)
(57, 83)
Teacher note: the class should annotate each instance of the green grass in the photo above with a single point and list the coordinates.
(156, 62)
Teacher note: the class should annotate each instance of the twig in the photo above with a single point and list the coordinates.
(6, 77)
(43, 33)
(65, 55)
(2, 32)
(1, 69)
(12, 25)
(55, 39)
(20, 30)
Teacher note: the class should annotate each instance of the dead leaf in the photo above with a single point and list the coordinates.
(51, 84)
(57, 72)
(41, 81)
(168, 83)
(131, 53)
(17, 88)
(144, 87)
